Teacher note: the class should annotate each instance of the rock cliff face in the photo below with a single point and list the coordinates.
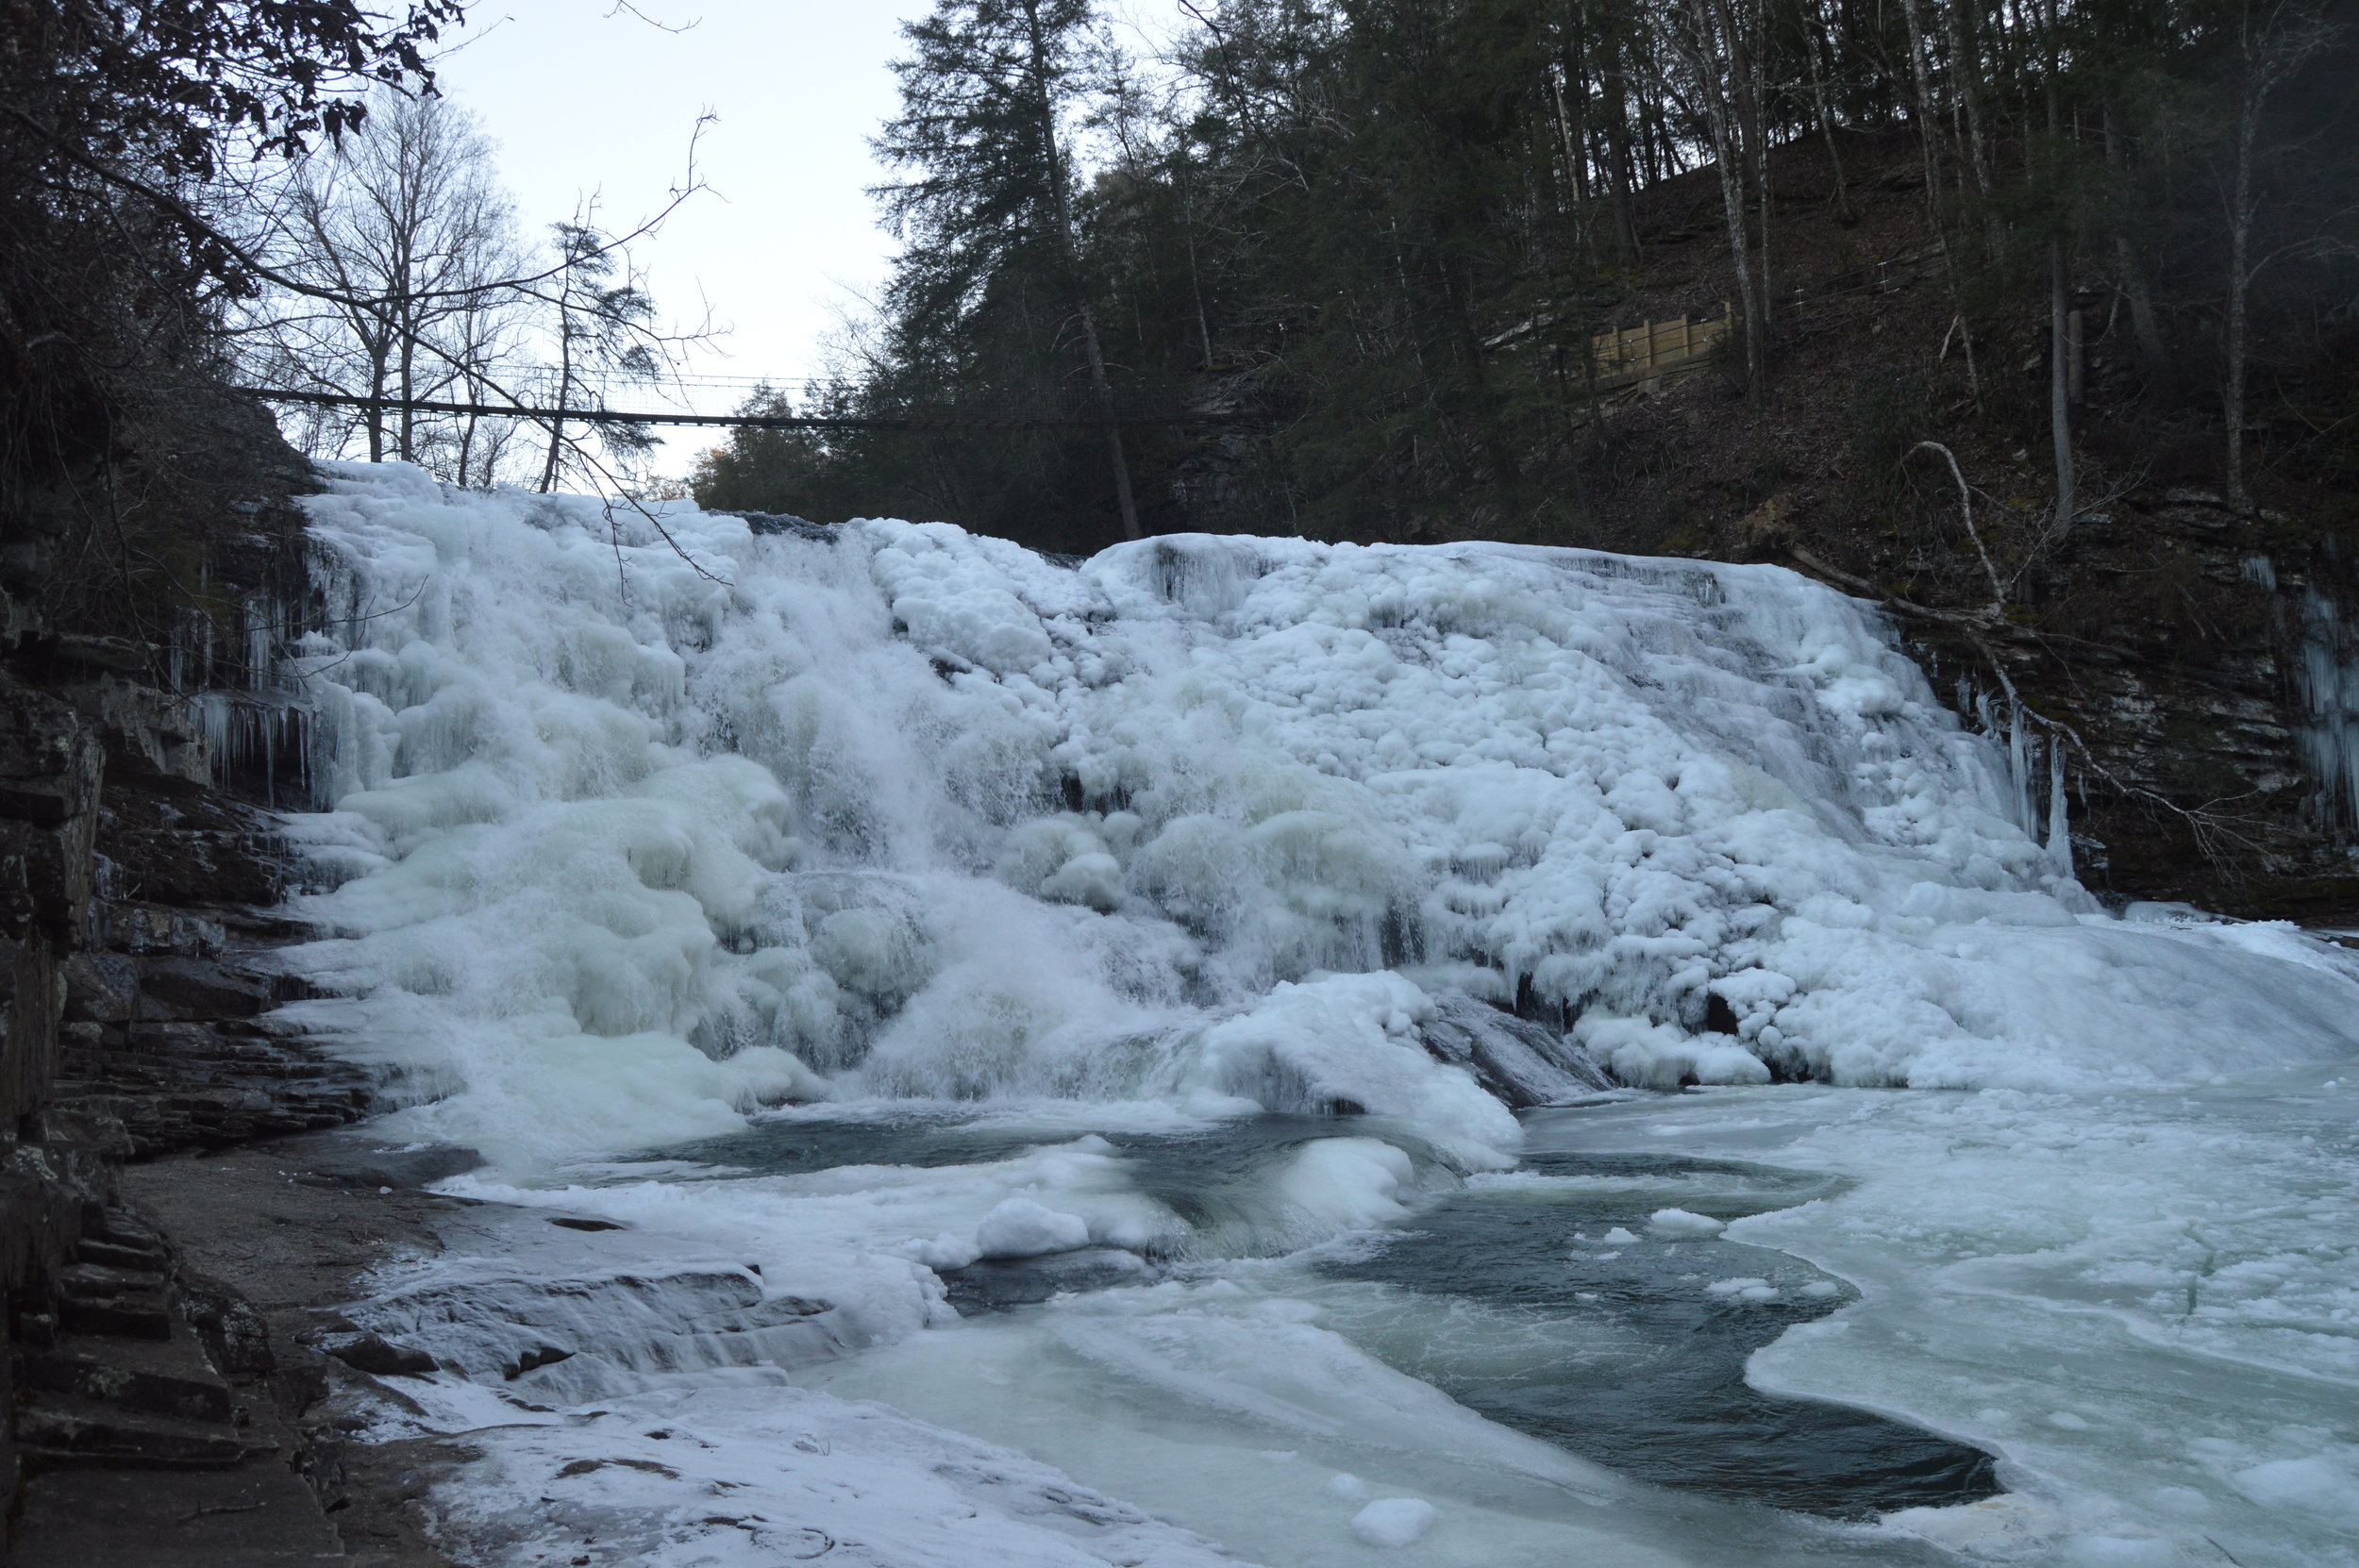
(2185, 664)
(129, 954)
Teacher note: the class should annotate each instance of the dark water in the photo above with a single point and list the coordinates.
(1682, 1417)
(797, 1146)
(1677, 1412)
(1187, 1170)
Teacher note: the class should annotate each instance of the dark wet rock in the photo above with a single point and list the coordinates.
(534, 1360)
(997, 1284)
(1522, 1062)
(103, 653)
(172, 1380)
(569, 1223)
(378, 1355)
(202, 988)
(116, 1256)
(68, 1426)
(786, 523)
(100, 988)
(400, 1169)
(95, 1299)
(234, 1334)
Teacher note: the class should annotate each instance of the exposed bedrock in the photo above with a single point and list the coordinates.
(133, 982)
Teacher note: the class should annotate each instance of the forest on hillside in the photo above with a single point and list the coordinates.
(1341, 267)
(1958, 305)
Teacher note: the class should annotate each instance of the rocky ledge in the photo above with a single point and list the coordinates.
(169, 1420)
(135, 984)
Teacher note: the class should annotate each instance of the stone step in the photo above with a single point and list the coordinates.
(114, 1255)
(96, 1299)
(125, 1228)
(158, 1378)
(65, 1428)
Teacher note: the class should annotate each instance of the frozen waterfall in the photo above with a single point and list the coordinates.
(634, 840)
(882, 905)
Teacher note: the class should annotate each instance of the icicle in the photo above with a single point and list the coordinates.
(257, 612)
(2328, 685)
(2059, 818)
(2019, 770)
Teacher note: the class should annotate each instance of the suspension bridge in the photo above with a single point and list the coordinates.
(749, 403)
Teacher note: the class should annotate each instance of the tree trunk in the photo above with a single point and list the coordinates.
(565, 386)
(2060, 387)
(1965, 63)
(1196, 282)
(1045, 108)
(1921, 74)
(2060, 333)
(378, 372)
(1575, 169)
(1811, 39)
(2236, 348)
(1729, 160)
(1619, 178)
(2135, 287)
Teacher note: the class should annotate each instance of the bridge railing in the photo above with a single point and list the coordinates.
(545, 398)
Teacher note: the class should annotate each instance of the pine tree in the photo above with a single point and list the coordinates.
(987, 219)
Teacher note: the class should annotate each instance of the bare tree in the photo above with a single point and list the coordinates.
(2271, 41)
(1710, 40)
(403, 231)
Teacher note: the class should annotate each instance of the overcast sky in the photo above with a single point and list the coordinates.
(584, 98)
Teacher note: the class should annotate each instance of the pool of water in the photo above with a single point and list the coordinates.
(1542, 1298)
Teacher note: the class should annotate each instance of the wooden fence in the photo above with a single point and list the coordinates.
(1642, 353)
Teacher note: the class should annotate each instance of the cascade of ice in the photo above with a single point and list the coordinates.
(2326, 678)
(1046, 877)
(630, 841)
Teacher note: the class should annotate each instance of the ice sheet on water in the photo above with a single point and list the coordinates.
(2147, 1304)
(720, 1478)
(635, 841)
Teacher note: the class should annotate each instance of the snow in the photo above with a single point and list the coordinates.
(1019, 1227)
(623, 847)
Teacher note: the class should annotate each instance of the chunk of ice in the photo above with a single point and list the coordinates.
(1019, 1227)
(1393, 1521)
(1679, 1225)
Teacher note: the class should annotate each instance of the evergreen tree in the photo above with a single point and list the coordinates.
(987, 219)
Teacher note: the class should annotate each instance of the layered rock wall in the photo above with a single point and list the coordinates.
(134, 962)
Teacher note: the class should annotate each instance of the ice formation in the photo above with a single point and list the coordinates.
(637, 834)
(632, 836)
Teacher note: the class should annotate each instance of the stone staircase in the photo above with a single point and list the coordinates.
(146, 1421)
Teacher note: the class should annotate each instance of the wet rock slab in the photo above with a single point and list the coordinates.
(1000, 1283)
